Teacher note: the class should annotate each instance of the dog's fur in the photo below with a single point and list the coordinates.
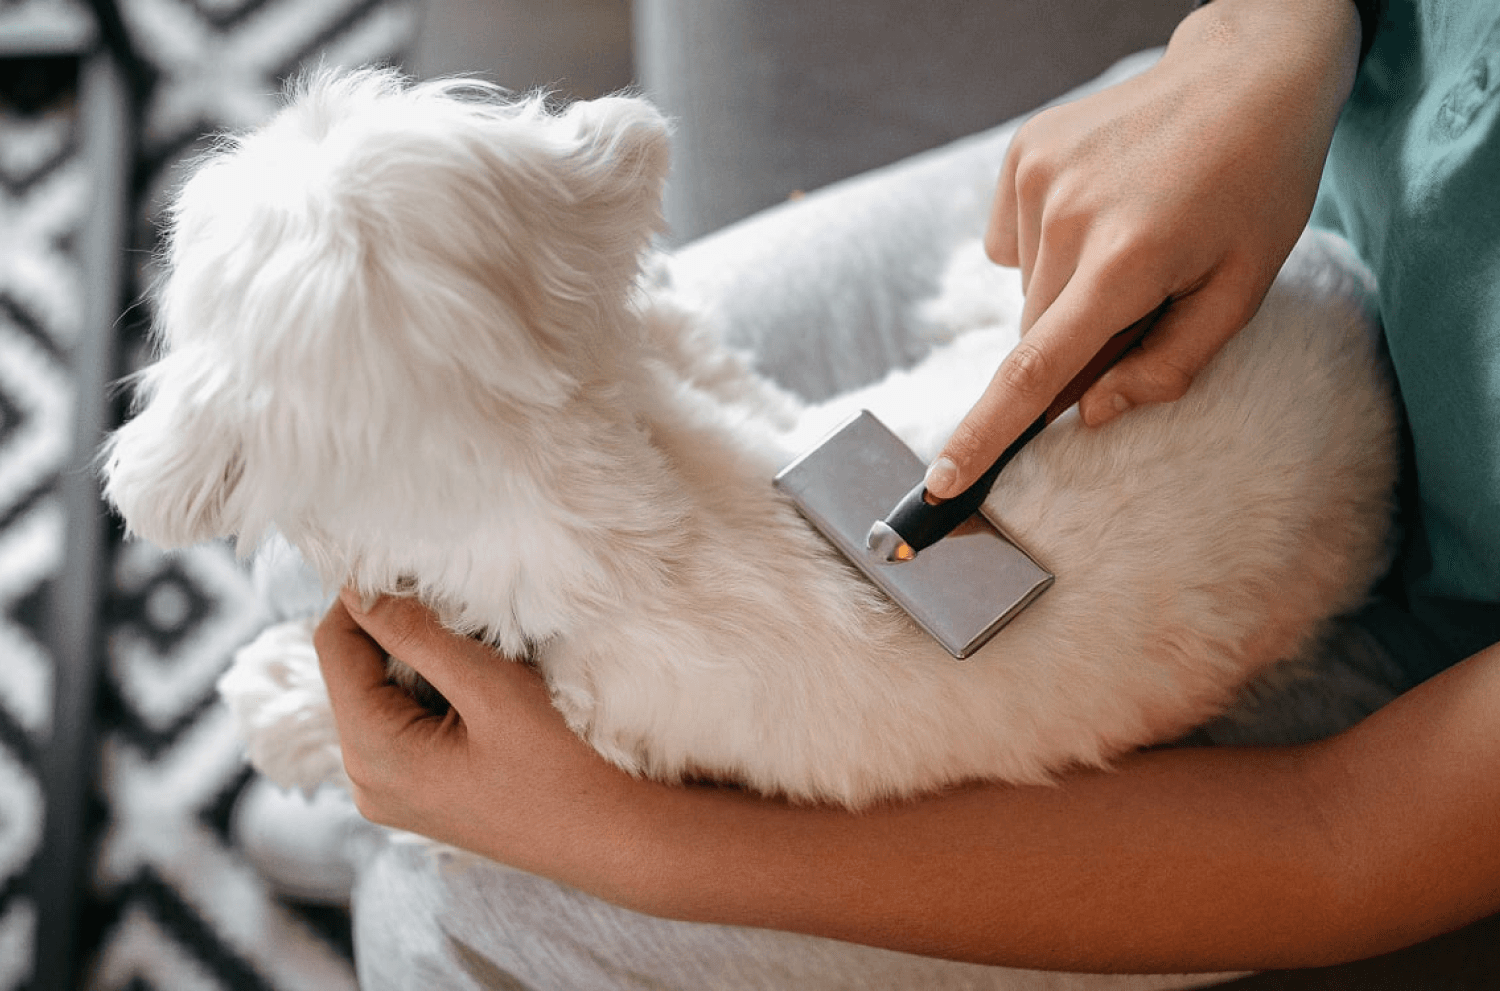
(402, 327)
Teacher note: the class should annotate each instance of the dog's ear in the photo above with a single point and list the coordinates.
(172, 470)
(618, 167)
(626, 138)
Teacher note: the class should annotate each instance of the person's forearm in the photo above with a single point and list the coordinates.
(1179, 860)
(1412, 797)
(1370, 12)
(1311, 45)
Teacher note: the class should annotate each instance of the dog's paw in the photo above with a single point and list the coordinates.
(275, 692)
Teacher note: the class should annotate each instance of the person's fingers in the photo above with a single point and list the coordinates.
(1184, 339)
(367, 708)
(410, 632)
(1031, 209)
(1060, 344)
(1021, 195)
(1000, 236)
(1052, 267)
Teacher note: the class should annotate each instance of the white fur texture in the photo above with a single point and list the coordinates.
(399, 330)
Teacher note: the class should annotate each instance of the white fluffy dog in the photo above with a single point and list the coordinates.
(403, 327)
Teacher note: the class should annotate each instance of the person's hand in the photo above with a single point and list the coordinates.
(499, 774)
(1187, 185)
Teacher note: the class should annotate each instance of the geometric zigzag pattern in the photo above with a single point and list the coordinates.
(44, 199)
(173, 904)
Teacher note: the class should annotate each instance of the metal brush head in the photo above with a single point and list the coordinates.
(962, 589)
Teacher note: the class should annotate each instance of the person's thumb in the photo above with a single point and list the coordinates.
(1185, 338)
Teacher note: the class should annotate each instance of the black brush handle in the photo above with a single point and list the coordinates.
(922, 523)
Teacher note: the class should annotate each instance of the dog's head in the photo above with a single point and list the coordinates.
(381, 271)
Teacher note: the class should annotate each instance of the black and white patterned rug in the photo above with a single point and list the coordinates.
(164, 899)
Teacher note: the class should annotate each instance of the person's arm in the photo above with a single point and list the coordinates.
(1187, 185)
(1176, 860)
(1370, 14)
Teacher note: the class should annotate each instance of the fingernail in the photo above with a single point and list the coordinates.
(1098, 412)
(356, 601)
(942, 475)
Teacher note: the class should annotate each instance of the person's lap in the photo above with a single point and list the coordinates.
(423, 923)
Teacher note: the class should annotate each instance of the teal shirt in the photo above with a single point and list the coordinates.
(1413, 182)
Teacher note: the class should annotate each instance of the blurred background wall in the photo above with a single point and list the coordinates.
(580, 48)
